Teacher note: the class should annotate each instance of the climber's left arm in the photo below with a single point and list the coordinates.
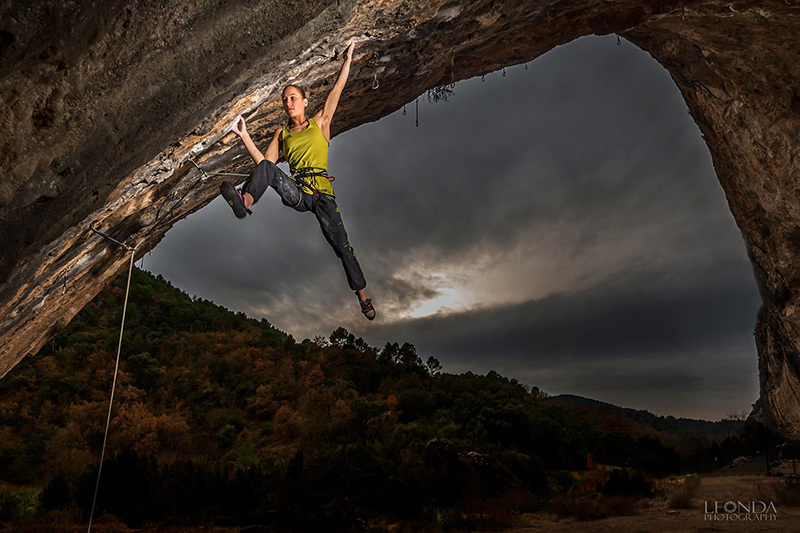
(324, 117)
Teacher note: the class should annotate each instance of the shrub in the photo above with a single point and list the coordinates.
(787, 492)
(58, 493)
(621, 483)
(17, 501)
(783, 492)
(681, 497)
(584, 509)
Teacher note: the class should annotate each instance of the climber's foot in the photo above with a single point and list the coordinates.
(234, 199)
(368, 309)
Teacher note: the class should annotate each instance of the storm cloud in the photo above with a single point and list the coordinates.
(561, 224)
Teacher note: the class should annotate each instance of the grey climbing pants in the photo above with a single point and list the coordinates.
(267, 174)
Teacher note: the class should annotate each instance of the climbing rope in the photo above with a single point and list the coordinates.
(204, 175)
(115, 241)
(116, 370)
(132, 251)
(174, 203)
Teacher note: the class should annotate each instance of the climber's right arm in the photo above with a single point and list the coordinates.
(273, 150)
(240, 128)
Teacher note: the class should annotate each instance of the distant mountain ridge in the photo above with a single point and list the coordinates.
(679, 426)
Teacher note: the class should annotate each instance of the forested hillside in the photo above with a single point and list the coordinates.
(224, 419)
(680, 426)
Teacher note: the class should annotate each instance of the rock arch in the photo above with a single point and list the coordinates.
(103, 107)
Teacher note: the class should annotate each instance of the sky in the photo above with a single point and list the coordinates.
(560, 224)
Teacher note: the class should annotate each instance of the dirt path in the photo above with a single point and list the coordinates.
(655, 515)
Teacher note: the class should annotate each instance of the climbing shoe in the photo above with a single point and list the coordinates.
(234, 199)
(367, 309)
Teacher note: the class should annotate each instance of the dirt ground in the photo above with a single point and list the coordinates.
(655, 515)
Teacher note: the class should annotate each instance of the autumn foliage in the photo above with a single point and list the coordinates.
(223, 419)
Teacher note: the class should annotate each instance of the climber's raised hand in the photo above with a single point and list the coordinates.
(239, 127)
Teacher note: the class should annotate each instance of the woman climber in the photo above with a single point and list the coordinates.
(304, 143)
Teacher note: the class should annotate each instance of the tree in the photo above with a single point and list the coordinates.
(321, 341)
(407, 356)
(340, 337)
(434, 367)
(389, 353)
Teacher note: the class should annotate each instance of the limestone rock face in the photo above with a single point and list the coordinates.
(107, 106)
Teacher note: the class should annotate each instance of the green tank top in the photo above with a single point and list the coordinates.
(308, 148)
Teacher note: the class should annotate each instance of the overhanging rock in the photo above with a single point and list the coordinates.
(105, 105)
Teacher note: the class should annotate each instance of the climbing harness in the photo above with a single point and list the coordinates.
(301, 178)
(309, 172)
(132, 250)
